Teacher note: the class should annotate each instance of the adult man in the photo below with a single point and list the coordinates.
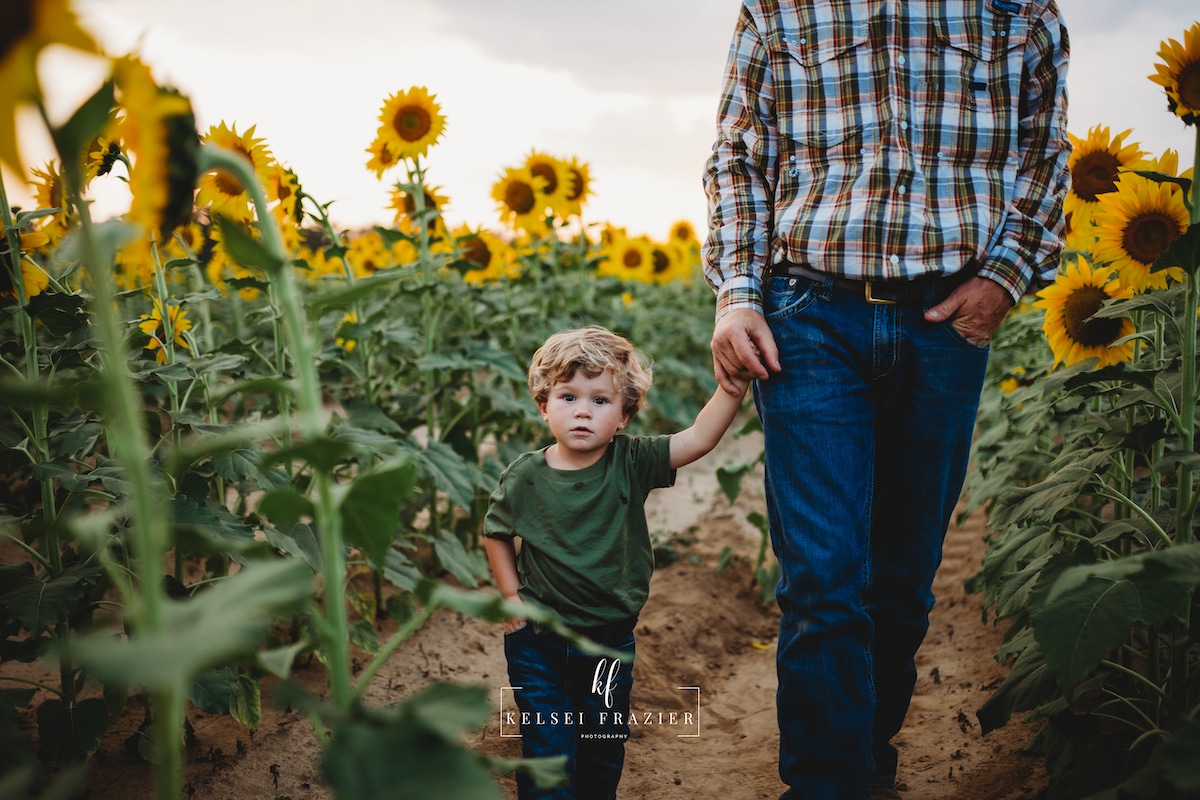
(887, 180)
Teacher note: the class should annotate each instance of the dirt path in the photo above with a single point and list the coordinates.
(700, 630)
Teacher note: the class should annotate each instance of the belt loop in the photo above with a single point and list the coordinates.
(827, 285)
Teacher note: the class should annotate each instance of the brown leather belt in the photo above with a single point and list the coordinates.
(896, 292)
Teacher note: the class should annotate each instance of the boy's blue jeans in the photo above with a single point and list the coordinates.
(867, 434)
(572, 704)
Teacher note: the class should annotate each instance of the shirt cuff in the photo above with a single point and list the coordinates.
(742, 291)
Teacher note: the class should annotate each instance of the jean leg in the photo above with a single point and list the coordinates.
(603, 691)
(538, 666)
(926, 417)
(818, 421)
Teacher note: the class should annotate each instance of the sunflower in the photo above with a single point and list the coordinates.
(629, 258)
(50, 193)
(104, 150)
(683, 238)
(683, 232)
(283, 191)
(666, 262)
(404, 203)
(520, 198)
(28, 26)
(559, 179)
(222, 189)
(1094, 164)
(368, 253)
(159, 131)
(160, 333)
(411, 122)
(1135, 225)
(102, 155)
(1180, 74)
(382, 158)
(33, 280)
(581, 186)
(490, 258)
(1069, 303)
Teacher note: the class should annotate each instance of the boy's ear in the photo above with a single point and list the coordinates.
(542, 408)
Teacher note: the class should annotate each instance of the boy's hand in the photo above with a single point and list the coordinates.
(514, 625)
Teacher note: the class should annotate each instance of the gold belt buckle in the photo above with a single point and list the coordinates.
(879, 300)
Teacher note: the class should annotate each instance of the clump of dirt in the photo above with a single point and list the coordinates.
(705, 653)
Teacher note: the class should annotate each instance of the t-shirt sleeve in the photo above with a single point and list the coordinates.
(498, 522)
(652, 461)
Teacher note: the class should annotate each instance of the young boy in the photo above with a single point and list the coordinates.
(578, 506)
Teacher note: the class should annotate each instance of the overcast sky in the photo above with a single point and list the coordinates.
(628, 86)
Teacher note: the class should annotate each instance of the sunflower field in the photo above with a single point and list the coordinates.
(235, 436)
(1086, 460)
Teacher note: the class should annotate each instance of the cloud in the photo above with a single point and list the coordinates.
(648, 47)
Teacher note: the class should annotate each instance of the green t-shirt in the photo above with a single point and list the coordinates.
(585, 547)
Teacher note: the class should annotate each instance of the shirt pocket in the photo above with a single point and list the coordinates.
(822, 74)
(979, 63)
(983, 57)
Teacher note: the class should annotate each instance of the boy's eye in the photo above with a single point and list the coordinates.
(568, 397)
(601, 401)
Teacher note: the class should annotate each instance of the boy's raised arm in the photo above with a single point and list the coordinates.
(710, 425)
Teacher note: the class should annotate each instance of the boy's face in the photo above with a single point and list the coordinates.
(584, 414)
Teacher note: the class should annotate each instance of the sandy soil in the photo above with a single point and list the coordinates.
(700, 630)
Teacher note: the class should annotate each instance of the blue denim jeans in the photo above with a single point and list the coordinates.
(571, 704)
(867, 433)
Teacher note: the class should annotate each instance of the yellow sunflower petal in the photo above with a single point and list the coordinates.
(29, 26)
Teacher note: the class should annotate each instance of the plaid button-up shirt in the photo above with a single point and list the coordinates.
(889, 139)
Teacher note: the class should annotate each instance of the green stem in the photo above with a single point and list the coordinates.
(303, 360)
(398, 638)
(40, 413)
(127, 439)
(1114, 494)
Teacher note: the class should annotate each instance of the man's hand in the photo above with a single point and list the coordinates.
(975, 309)
(743, 348)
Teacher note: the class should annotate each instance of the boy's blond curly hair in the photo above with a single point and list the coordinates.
(595, 350)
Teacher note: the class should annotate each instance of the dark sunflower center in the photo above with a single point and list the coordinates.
(18, 22)
(519, 197)
(1094, 174)
(660, 261)
(1081, 326)
(548, 172)
(632, 259)
(227, 183)
(1189, 85)
(477, 252)
(1148, 236)
(577, 186)
(412, 123)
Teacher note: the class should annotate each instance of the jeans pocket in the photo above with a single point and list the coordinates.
(784, 296)
(948, 327)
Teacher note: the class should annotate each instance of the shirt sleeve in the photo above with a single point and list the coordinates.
(498, 522)
(740, 173)
(651, 457)
(1026, 252)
